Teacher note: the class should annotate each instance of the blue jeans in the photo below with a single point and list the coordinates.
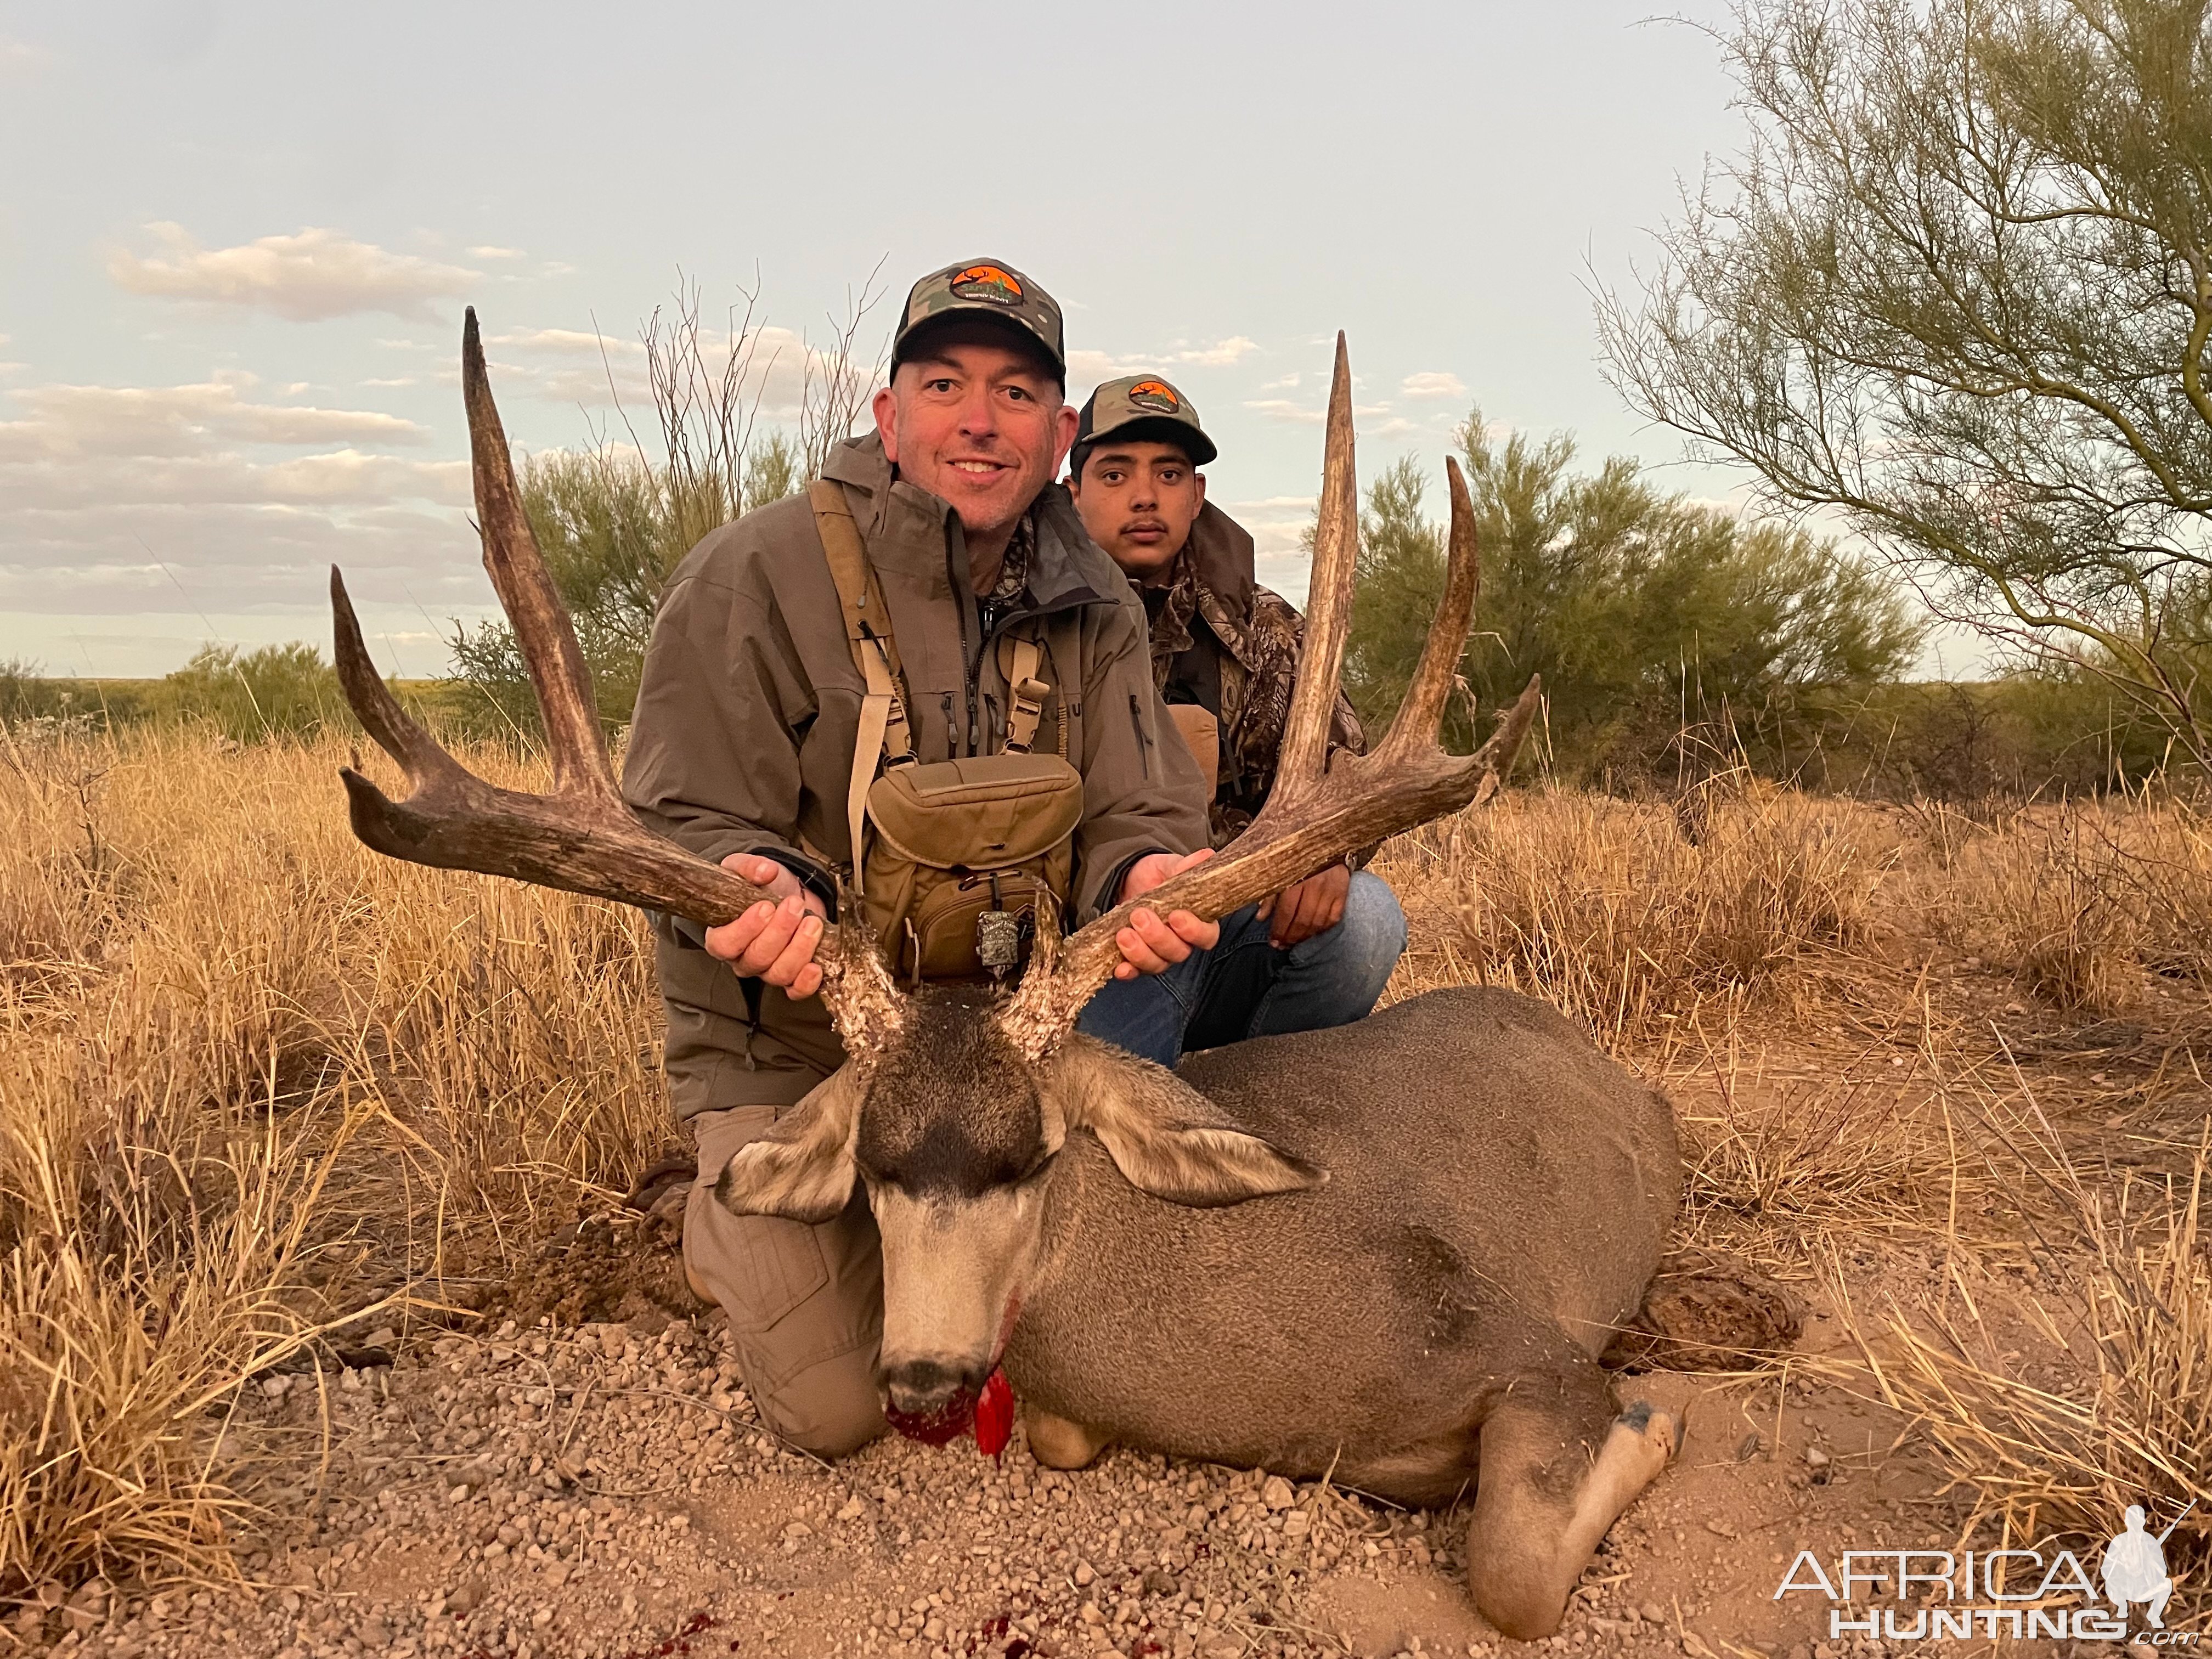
(1245, 987)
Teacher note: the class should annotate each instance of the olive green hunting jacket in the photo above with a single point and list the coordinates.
(749, 706)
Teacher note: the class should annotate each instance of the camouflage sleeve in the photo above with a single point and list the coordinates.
(1277, 638)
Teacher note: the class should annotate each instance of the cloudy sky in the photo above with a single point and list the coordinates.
(237, 237)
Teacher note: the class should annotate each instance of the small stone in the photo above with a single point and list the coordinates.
(277, 1387)
(1815, 1458)
(852, 1509)
(1296, 1523)
(1277, 1494)
(1084, 1573)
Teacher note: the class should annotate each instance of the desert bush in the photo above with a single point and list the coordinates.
(1642, 610)
(614, 522)
(275, 691)
(1619, 915)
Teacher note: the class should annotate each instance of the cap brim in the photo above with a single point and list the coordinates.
(1154, 428)
(911, 339)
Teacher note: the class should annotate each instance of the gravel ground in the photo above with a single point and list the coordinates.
(606, 1491)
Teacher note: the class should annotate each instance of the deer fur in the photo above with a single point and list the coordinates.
(1461, 1201)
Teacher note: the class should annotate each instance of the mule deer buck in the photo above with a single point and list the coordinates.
(1394, 1248)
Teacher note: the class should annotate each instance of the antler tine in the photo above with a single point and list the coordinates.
(582, 837)
(1421, 713)
(1314, 816)
(558, 673)
(379, 711)
(1305, 750)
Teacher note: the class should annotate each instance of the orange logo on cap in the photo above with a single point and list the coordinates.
(994, 284)
(1156, 395)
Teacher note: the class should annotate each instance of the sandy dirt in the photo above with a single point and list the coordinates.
(604, 1491)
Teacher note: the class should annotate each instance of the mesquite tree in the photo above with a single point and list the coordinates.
(1957, 291)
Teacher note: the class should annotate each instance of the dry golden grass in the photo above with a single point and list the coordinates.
(1630, 915)
(2091, 1392)
(257, 1083)
(254, 1079)
(2079, 900)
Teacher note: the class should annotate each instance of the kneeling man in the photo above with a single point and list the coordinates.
(1225, 655)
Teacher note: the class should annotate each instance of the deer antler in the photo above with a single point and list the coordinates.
(1317, 812)
(581, 837)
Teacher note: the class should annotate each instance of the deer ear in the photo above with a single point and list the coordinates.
(1165, 1137)
(802, 1169)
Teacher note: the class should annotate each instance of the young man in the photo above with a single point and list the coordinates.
(1225, 655)
(744, 749)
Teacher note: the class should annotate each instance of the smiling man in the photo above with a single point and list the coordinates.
(1225, 655)
(932, 601)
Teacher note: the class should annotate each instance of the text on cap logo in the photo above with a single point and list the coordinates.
(988, 283)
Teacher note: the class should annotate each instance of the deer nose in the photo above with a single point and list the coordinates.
(922, 1386)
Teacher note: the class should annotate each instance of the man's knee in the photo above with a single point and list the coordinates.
(830, 1409)
(1365, 946)
(1373, 920)
(804, 1302)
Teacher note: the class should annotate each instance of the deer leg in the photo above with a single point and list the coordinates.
(1058, 1443)
(1559, 1464)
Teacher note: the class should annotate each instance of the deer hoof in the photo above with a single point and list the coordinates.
(1058, 1443)
(1660, 1431)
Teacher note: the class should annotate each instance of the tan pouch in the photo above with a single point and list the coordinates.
(1201, 735)
(955, 838)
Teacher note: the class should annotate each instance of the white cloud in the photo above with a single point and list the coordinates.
(108, 490)
(66, 422)
(1288, 383)
(1282, 409)
(1107, 365)
(567, 342)
(1220, 354)
(496, 253)
(1433, 383)
(21, 59)
(309, 276)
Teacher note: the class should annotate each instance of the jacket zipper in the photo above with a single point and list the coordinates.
(1144, 742)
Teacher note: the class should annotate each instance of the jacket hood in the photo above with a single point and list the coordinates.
(1223, 551)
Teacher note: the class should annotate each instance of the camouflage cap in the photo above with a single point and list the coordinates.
(1141, 406)
(982, 288)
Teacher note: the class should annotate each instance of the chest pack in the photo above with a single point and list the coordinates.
(952, 860)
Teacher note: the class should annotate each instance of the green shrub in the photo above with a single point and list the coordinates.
(276, 691)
